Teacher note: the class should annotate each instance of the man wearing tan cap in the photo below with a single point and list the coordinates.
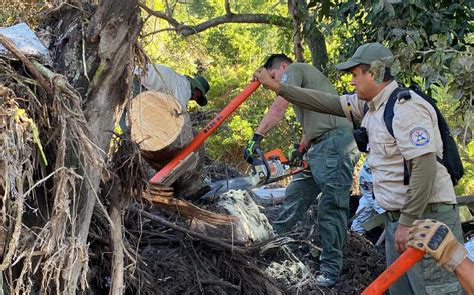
(426, 190)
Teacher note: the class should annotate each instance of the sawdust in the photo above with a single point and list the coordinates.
(290, 272)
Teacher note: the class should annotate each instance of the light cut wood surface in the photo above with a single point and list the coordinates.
(157, 120)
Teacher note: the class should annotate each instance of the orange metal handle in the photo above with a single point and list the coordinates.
(394, 272)
(206, 132)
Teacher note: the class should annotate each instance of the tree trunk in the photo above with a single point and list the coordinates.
(294, 7)
(317, 46)
(306, 26)
(96, 59)
(162, 128)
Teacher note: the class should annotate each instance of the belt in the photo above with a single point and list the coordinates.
(393, 216)
(331, 133)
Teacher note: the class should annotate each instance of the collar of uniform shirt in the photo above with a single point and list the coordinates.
(382, 96)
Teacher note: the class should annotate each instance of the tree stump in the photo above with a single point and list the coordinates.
(162, 128)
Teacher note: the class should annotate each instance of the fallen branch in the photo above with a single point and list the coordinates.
(116, 238)
(214, 241)
(187, 209)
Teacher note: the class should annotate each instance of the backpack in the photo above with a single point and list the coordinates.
(451, 159)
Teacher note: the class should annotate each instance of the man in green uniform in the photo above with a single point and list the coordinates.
(416, 140)
(331, 156)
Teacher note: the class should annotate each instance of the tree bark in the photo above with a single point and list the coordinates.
(305, 26)
(317, 46)
(103, 80)
(294, 7)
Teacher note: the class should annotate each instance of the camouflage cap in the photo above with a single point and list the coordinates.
(366, 54)
(200, 83)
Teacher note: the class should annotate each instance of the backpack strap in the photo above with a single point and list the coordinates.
(349, 107)
(451, 159)
(388, 114)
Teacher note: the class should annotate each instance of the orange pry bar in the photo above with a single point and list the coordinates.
(205, 133)
(394, 272)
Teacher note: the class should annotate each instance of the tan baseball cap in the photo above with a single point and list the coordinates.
(366, 54)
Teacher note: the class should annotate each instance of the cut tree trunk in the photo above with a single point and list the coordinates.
(157, 125)
(162, 128)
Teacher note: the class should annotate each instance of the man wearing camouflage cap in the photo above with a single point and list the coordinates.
(164, 79)
(426, 190)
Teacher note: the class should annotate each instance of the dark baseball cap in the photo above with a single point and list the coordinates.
(366, 54)
(200, 83)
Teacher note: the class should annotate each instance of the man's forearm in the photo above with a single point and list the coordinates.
(464, 274)
(304, 141)
(313, 100)
(273, 116)
(422, 179)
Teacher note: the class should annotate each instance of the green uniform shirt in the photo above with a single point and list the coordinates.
(307, 76)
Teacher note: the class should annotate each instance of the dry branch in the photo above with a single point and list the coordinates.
(116, 238)
(188, 210)
(214, 241)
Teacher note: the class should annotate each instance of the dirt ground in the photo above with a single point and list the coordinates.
(172, 262)
(363, 262)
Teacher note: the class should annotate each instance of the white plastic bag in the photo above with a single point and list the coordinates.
(470, 247)
(26, 41)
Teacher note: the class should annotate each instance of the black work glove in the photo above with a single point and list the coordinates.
(253, 144)
(295, 156)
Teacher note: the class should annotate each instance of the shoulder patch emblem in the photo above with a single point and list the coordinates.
(284, 78)
(419, 136)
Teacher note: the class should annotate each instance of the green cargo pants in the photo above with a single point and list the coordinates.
(426, 277)
(331, 162)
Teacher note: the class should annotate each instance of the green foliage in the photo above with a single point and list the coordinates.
(227, 55)
(431, 40)
(466, 184)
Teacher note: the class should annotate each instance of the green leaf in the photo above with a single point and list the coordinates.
(395, 68)
(389, 8)
(377, 69)
(398, 32)
(379, 5)
(312, 3)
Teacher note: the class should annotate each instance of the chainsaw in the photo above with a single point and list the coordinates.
(267, 168)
